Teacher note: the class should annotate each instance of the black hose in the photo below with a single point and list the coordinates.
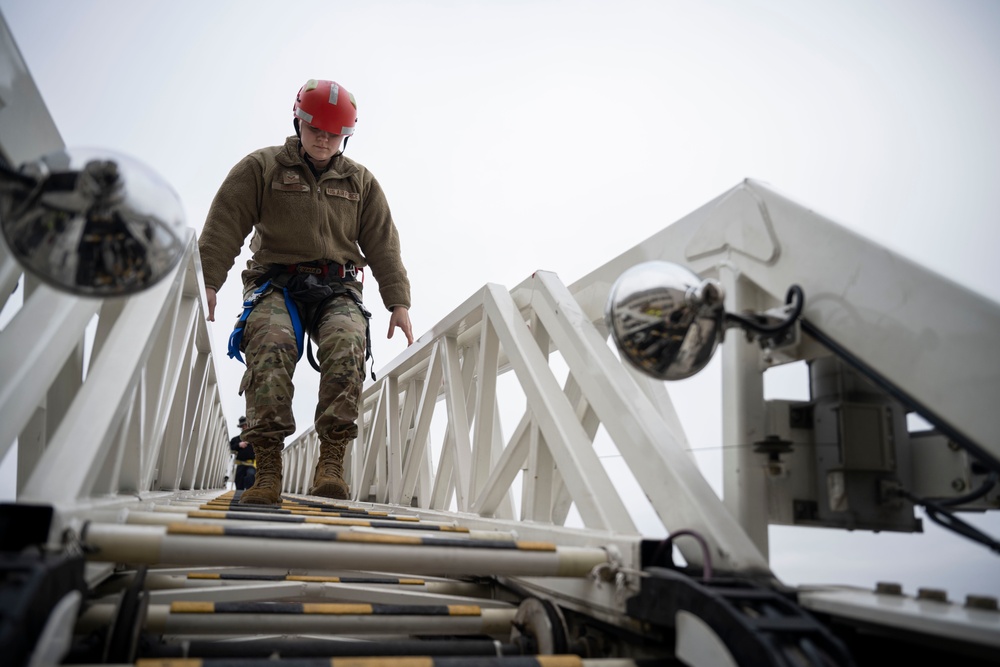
(985, 487)
(943, 516)
(667, 546)
(757, 325)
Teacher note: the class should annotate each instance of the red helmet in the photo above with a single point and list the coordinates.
(326, 105)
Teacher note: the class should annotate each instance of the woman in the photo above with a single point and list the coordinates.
(317, 219)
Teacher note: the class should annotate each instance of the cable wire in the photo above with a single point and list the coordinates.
(940, 514)
(706, 555)
(794, 297)
(986, 487)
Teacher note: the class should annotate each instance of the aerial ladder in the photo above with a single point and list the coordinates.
(467, 541)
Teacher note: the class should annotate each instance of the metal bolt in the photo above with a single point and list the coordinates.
(958, 484)
(986, 602)
(934, 594)
(888, 588)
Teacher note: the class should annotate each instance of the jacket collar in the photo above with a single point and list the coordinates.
(288, 156)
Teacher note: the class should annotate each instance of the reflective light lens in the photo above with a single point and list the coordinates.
(92, 223)
(665, 320)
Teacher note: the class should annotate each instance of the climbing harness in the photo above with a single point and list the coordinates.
(309, 283)
(236, 338)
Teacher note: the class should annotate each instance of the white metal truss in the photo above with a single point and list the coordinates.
(146, 416)
(146, 420)
(458, 365)
(114, 408)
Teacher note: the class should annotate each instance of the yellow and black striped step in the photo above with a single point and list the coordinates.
(312, 578)
(293, 509)
(324, 608)
(244, 515)
(290, 504)
(355, 537)
(232, 498)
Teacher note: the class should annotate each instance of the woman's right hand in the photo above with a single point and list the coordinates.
(210, 297)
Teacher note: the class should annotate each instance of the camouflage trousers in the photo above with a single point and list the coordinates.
(271, 352)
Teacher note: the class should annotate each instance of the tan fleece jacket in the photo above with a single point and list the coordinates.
(342, 218)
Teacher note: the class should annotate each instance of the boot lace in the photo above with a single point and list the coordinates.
(331, 469)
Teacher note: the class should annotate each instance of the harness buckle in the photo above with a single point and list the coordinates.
(346, 270)
(255, 297)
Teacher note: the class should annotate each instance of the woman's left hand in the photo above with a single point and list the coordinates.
(400, 317)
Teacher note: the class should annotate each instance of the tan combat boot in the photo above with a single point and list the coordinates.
(329, 478)
(266, 489)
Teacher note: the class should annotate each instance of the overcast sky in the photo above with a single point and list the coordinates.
(511, 136)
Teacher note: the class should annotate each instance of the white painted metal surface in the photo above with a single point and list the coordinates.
(147, 416)
(942, 618)
(141, 432)
(602, 391)
(925, 333)
(27, 129)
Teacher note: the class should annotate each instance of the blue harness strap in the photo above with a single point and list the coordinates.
(293, 311)
(236, 338)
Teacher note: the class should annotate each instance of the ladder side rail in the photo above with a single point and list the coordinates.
(34, 347)
(77, 449)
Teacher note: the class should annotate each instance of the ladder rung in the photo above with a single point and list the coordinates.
(204, 545)
(163, 619)
(301, 647)
(349, 536)
(323, 520)
(312, 578)
(331, 608)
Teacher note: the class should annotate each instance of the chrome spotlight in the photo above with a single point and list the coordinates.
(665, 320)
(668, 322)
(92, 223)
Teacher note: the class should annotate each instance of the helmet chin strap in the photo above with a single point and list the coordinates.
(338, 153)
(298, 133)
